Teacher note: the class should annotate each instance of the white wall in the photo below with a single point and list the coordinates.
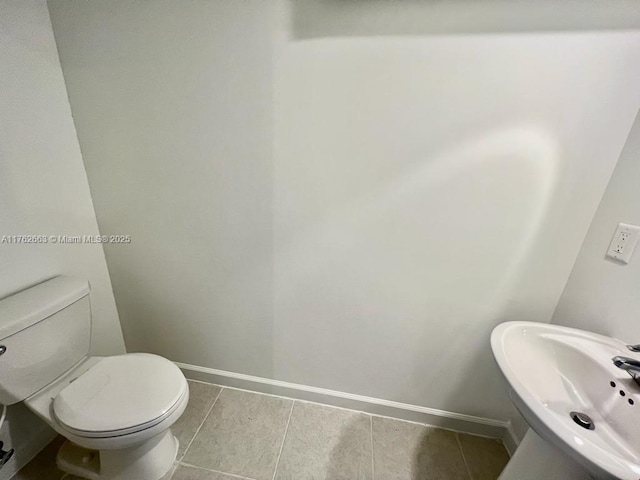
(601, 294)
(172, 102)
(43, 190)
(426, 189)
(348, 212)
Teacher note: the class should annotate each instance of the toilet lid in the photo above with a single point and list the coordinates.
(120, 392)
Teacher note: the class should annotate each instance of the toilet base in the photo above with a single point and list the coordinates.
(150, 460)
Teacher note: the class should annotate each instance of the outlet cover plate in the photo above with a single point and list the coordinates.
(623, 242)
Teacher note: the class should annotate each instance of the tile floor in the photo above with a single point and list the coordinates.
(228, 434)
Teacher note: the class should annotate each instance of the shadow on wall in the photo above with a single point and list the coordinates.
(501, 182)
(340, 18)
(521, 161)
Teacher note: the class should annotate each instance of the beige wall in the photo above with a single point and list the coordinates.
(43, 191)
(354, 212)
(602, 294)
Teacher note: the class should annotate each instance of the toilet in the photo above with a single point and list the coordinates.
(115, 412)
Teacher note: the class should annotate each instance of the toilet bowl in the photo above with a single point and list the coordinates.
(109, 409)
(115, 412)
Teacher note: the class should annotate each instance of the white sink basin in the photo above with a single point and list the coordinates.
(553, 371)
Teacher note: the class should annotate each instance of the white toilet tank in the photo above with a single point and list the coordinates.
(44, 331)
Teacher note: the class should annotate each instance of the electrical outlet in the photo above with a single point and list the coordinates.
(624, 242)
(621, 242)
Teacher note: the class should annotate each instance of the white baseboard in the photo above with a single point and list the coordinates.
(415, 413)
(510, 440)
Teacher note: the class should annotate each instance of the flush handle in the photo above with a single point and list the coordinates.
(5, 456)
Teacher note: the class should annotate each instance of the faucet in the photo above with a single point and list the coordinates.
(630, 365)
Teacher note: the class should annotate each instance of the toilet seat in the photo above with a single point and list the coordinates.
(121, 395)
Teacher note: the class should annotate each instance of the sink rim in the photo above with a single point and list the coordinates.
(541, 419)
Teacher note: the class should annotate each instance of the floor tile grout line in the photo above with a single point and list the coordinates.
(174, 467)
(200, 426)
(464, 458)
(178, 462)
(284, 439)
(215, 471)
(373, 463)
(302, 400)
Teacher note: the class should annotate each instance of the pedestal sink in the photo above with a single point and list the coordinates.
(563, 382)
